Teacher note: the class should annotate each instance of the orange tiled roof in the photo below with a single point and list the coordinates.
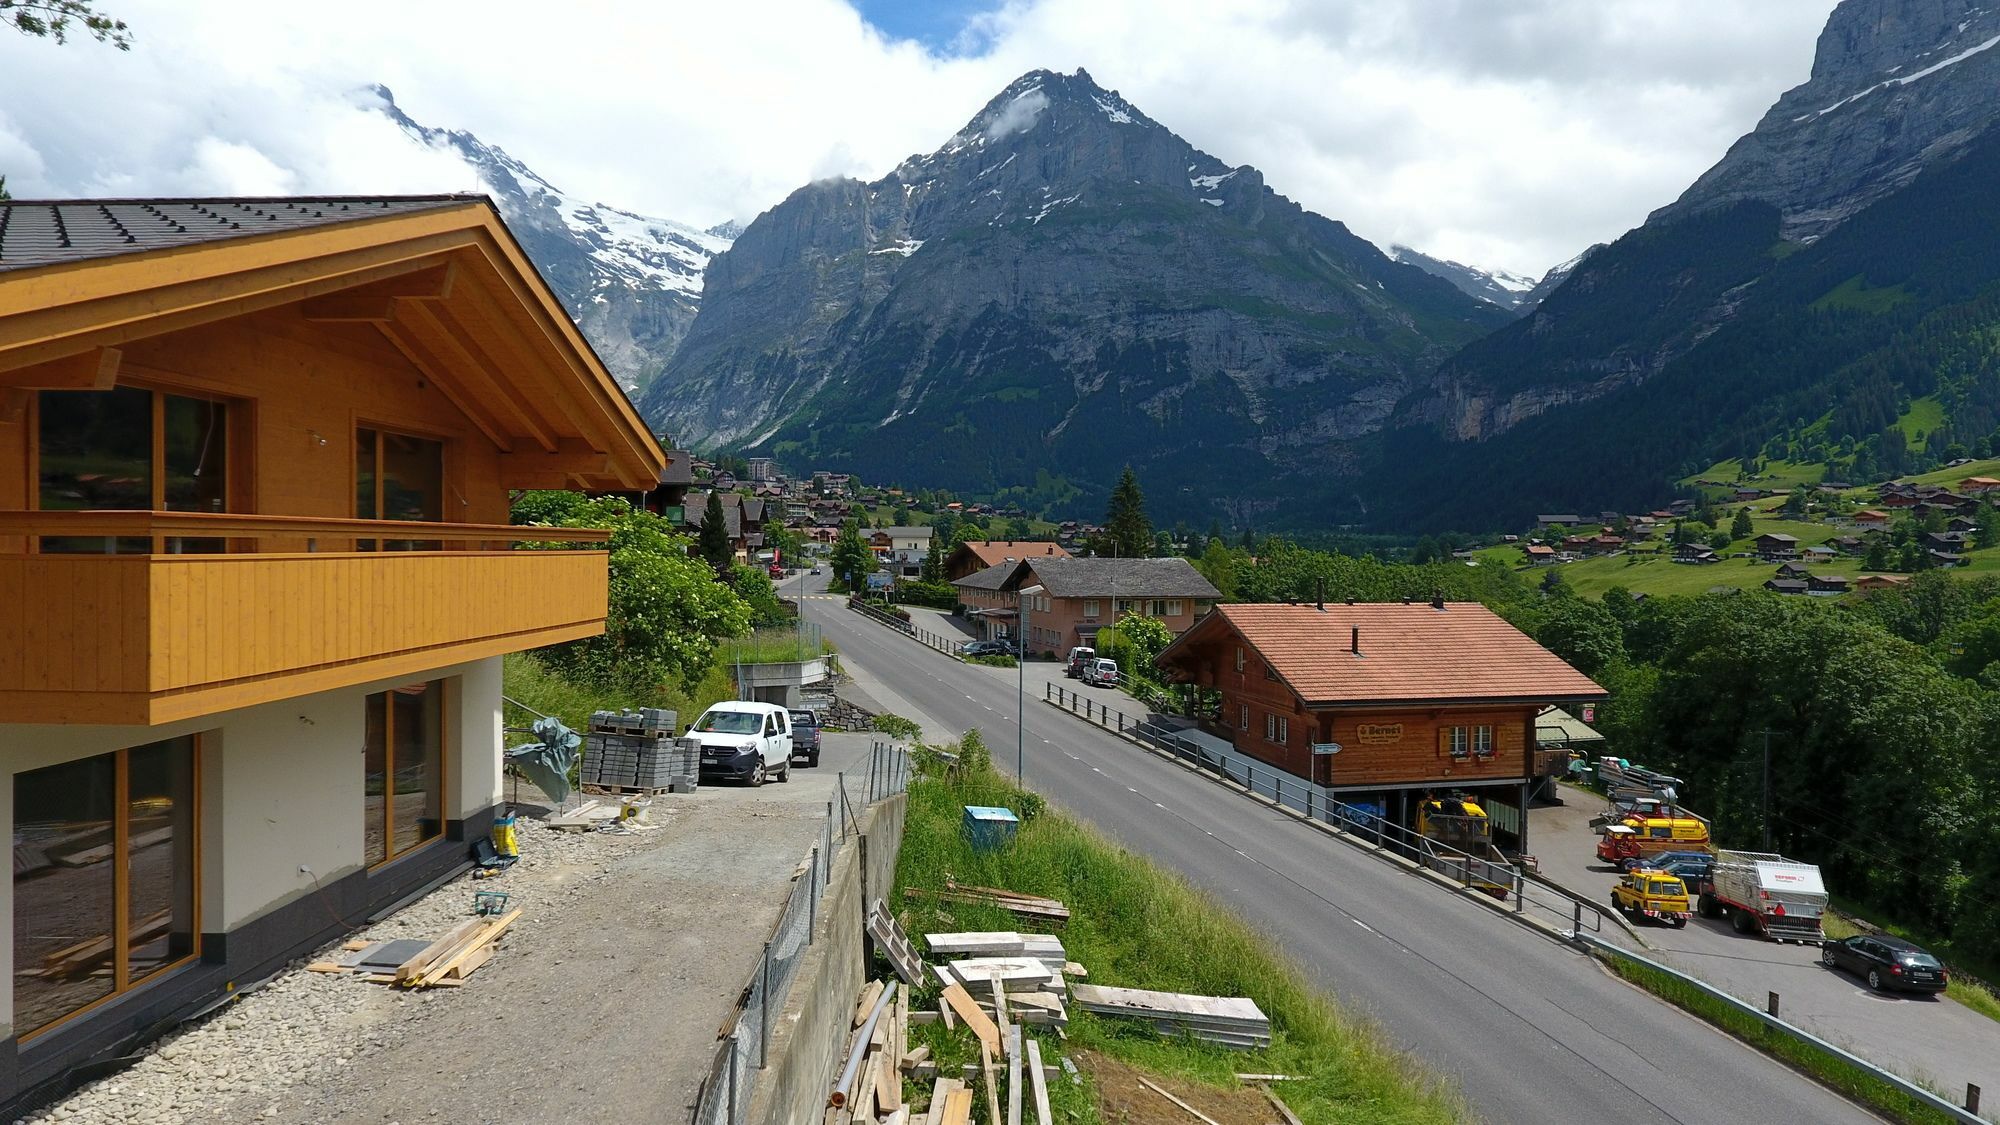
(1409, 653)
(992, 551)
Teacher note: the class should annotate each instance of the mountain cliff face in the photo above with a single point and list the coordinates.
(1063, 287)
(631, 282)
(1898, 87)
(1842, 260)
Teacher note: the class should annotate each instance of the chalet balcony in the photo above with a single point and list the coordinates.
(197, 613)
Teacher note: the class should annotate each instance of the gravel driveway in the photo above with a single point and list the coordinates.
(603, 1002)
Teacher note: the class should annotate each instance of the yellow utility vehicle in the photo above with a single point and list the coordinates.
(1647, 893)
(1458, 823)
(1628, 844)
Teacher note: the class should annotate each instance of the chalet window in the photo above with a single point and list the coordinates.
(1243, 716)
(398, 477)
(132, 449)
(1457, 742)
(104, 875)
(403, 756)
(1482, 742)
(1173, 608)
(1277, 728)
(1090, 607)
(1239, 658)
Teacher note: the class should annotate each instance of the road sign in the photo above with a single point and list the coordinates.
(1326, 749)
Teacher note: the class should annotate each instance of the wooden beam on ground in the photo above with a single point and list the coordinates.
(93, 370)
(961, 1002)
(940, 1092)
(1014, 1078)
(957, 1107)
(375, 302)
(869, 995)
(992, 1085)
(1278, 1104)
(1038, 1084)
(1000, 1020)
(1163, 1093)
(416, 966)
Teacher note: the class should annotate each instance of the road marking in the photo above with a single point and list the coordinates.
(1363, 925)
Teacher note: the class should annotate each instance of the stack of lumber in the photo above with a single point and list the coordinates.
(1010, 1072)
(1232, 1021)
(1034, 907)
(1046, 948)
(1015, 974)
(444, 963)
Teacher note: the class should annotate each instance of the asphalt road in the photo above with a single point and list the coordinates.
(1922, 1037)
(1530, 1031)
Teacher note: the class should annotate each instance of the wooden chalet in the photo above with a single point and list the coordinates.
(257, 578)
(1379, 703)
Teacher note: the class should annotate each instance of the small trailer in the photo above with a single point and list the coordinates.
(1766, 894)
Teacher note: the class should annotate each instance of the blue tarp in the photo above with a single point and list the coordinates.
(547, 762)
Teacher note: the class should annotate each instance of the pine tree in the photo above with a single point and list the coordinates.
(714, 541)
(1741, 527)
(1126, 527)
(850, 558)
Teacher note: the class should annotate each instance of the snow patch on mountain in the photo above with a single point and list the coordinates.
(1906, 79)
(1496, 287)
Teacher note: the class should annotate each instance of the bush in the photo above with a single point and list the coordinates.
(995, 661)
(936, 595)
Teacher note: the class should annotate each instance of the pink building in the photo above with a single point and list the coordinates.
(1080, 596)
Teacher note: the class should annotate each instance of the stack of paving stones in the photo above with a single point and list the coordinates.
(637, 750)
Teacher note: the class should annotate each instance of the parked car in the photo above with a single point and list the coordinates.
(1101, 673)
(814, 570)
(742, 741)
(1079, 659)
(985, 648)
(1691, 868)
(805, 737)
(1886, 962)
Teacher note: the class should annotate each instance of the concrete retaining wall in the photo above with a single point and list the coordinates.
(809, 1036)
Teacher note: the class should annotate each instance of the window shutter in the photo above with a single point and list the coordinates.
(1444, 742)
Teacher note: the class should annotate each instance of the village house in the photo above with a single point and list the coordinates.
(1880, 581)
(975, 555)
(1774, 545)
(1870, 519)
(1558, 521)
(1820, 552)
(1539, 555)
(1978, 486)
(255, 465)
(1786, 585)
(1827, 585)
(886, 541)
(1078, 597)
(1380, 704)
(1792, 570)
(1695, 553)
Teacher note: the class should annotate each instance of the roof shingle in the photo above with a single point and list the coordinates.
(1408, 653)
(47, 232)
(1136, 578)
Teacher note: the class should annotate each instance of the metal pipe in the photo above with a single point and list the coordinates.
(844, 1088)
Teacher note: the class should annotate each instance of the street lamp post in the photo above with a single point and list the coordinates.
(1021, 696)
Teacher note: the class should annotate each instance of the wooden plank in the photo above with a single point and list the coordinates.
(961, 1003)
(480, 941)
(92, 370)
(992, 1085)
(1278, 1104)
(1000, 1020)
(940, 1090)
(1014, 1078)
(916, 1056)
(945, 1014)
(888, 1084)
(957, 1107)
(415, 966)
(1192, 1110)
(1038, 1084)
(869, 996)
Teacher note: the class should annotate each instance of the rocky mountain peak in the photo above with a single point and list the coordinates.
(1897, 86)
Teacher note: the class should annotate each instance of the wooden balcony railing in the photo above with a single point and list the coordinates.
(140, 524)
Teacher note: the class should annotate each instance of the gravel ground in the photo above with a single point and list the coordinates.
(631, 949)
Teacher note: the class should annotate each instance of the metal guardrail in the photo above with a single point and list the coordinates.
(745, 1048)
(1361, 826)
(1929, 1098)
(938, 641)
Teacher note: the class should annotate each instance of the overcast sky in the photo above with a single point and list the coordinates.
(1506, 133)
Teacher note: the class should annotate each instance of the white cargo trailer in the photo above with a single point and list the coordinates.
(1766, 894)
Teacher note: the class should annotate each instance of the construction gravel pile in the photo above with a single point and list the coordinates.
(302, 1025)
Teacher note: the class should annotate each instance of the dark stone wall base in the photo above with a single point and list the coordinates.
(50, 1065)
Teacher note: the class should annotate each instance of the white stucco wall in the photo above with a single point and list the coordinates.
(280, 789)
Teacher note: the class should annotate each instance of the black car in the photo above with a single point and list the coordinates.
(805, 736)
(1691, 868)
(1886, 962)
(985, 648)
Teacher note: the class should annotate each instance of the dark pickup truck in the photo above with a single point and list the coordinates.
(805, 736)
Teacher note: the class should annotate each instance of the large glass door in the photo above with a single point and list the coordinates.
(131, 449)
(398, 477)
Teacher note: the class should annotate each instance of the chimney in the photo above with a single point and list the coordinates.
(1319, 592)
(1437, 600)
(1354, 641)
(1350, 599)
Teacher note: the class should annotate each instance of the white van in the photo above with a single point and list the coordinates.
(745, 742)
(1101, 673)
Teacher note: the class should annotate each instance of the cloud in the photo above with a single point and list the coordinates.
(1018, 115)
(1508, 135)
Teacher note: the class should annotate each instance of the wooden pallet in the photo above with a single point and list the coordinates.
(895, 944)
(597, 790)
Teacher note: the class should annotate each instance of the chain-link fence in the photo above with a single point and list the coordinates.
(745, 1048)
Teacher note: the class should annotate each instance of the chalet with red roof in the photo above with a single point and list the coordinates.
(1379, 703)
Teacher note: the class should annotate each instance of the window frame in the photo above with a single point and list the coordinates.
(1277, 728)
(234, 412)
(1243, 716)
(1458, 742)
(390, 853)
(1482, 741)
(123, 982)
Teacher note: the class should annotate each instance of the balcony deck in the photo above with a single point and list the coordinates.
(152, 638)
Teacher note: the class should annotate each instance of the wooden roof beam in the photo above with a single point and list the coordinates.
(452, 343)
(93, 370)
(375, 302)
(445, 380)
